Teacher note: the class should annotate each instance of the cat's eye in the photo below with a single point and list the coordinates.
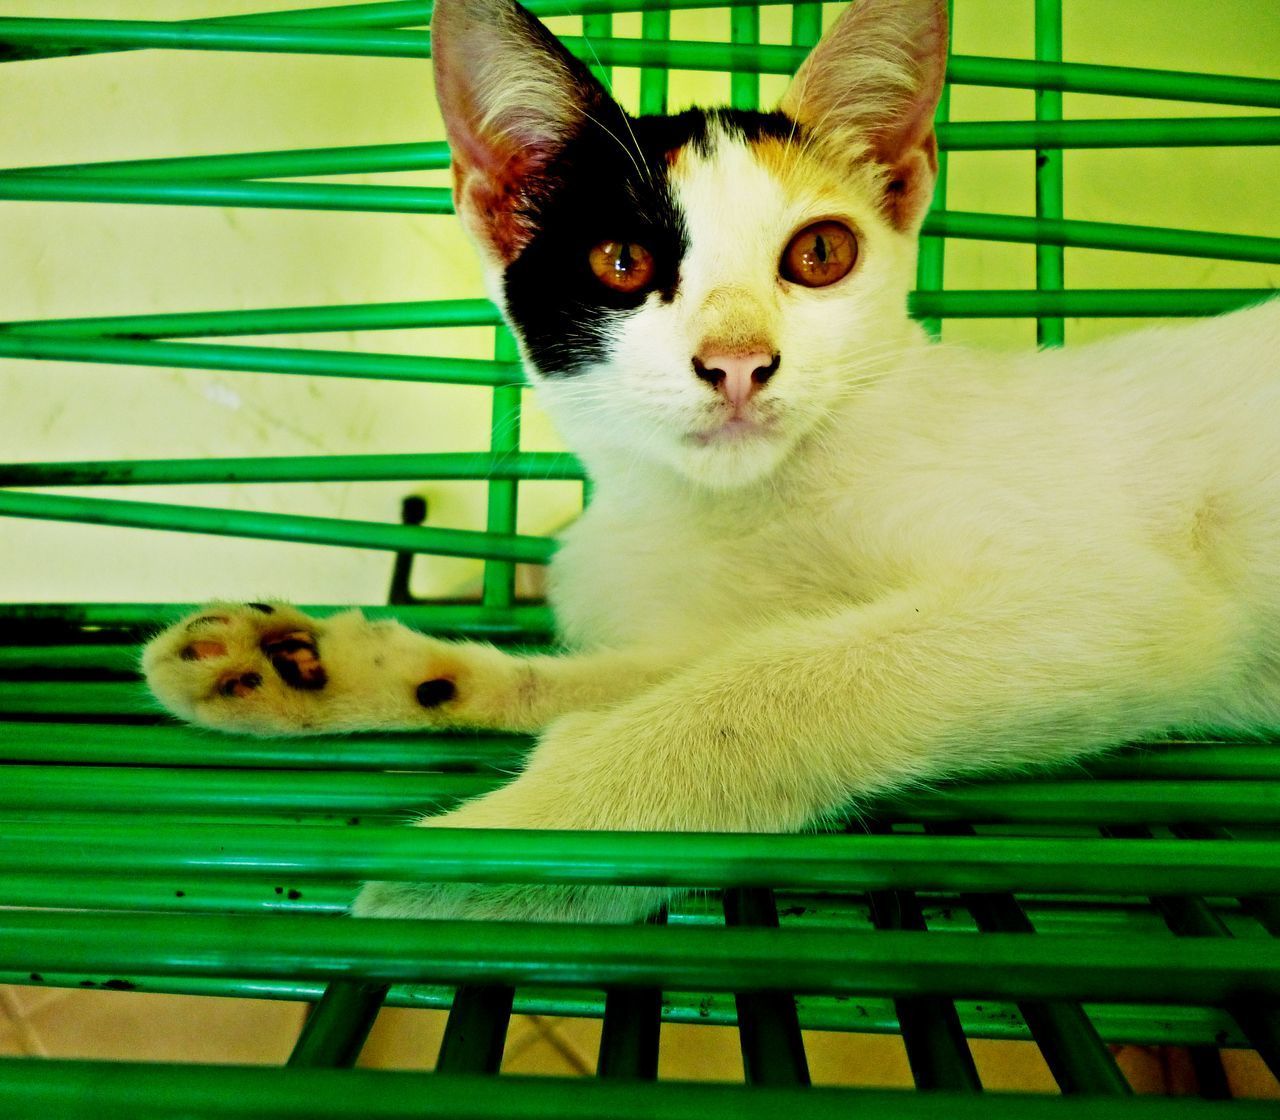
(819, 255)
(623, 266)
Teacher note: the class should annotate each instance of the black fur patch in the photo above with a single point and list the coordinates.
(609, 187)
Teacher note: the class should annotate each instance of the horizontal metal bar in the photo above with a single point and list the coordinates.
(277, 526)
(286, 163)
(994, 965)
(1111, 802)
(62, 1088)
(1116, 1022)
(263, 359)
(188, 746)
(130, 789)
(522, 618)
(1088, 303)
(1154, 132)
(962, 69)
(227, 192)
(1151, 132)
(822, 862)
(1102, 235)
(276, 320)
(1137, 302)
(462, 465)
(170, 745)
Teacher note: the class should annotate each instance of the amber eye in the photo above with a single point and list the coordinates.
(623, 266)
(819, 255)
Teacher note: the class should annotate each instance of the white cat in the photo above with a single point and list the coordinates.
(825, 557)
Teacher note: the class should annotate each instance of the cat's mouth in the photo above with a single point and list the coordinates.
(736, 429)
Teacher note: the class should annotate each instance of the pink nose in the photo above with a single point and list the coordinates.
(736, 376)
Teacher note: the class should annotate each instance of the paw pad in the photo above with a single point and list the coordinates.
(295, 657)
(431, 694)
(242, 685)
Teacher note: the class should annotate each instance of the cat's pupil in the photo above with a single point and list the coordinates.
(820, 249)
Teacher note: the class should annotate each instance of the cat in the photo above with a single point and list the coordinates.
(825, 557)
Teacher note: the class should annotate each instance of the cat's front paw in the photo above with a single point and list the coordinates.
(253, 667)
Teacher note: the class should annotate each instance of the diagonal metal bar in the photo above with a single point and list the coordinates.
(336, 1028)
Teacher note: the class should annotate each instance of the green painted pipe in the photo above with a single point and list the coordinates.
(683, 55)
(530, 466)
(227, 192)
(523, 618)
(108, 845)
(990, 965)
(274, 320)
(262, 359)
(1157, 132)
(361, 159)
(169, 745)
(346, 533)
(1125, 302)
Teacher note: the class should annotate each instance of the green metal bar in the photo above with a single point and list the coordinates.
(361, 159)
(1154, 132)
(996, 965)
(1049, 200)
(768, 1028)
(1092, 303)
(393, 13)
(60, 1089)
(278, 320)
(826, 862)
(962, 69)
(177, 893)
(1118, 1023)
(932, 1034)
(478, 465)
(1127, 302)
(154, 789)
(338, 1025)
(261, 359)
(655, 27)
(276, 526)
(189, 746)
(1103, 235)
(174, 746)
(531, 618)
(1120, 802)
(931, 252)
(499, 585)
(631, 1030)
(227, 192)
(599, 25)
(476, 1029)
(806, 25)
(744, 85)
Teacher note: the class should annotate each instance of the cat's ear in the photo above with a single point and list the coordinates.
(511, 96)
(872, 84)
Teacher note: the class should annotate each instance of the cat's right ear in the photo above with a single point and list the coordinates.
(872, 85)
(511, 97)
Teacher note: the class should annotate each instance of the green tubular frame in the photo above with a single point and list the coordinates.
(1132, 899)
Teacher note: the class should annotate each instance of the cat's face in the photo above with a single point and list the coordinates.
(699, 290)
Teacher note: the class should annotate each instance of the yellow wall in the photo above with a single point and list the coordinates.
(59, 259)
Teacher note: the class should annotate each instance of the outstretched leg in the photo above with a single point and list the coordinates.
(269, 669)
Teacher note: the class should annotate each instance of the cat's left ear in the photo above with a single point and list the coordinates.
(872, 85)
(511, 97)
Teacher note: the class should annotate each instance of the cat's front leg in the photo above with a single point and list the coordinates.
(787, 724)
(269, 669)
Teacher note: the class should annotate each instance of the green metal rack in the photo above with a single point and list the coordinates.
(1135, 900)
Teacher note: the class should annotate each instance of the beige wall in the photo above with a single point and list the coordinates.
(59, 259)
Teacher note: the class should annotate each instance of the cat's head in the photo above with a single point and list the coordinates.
(699, 289)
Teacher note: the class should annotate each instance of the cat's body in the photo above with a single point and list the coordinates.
(825, 557)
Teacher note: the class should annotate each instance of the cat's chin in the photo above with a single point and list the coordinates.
(733, 455)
